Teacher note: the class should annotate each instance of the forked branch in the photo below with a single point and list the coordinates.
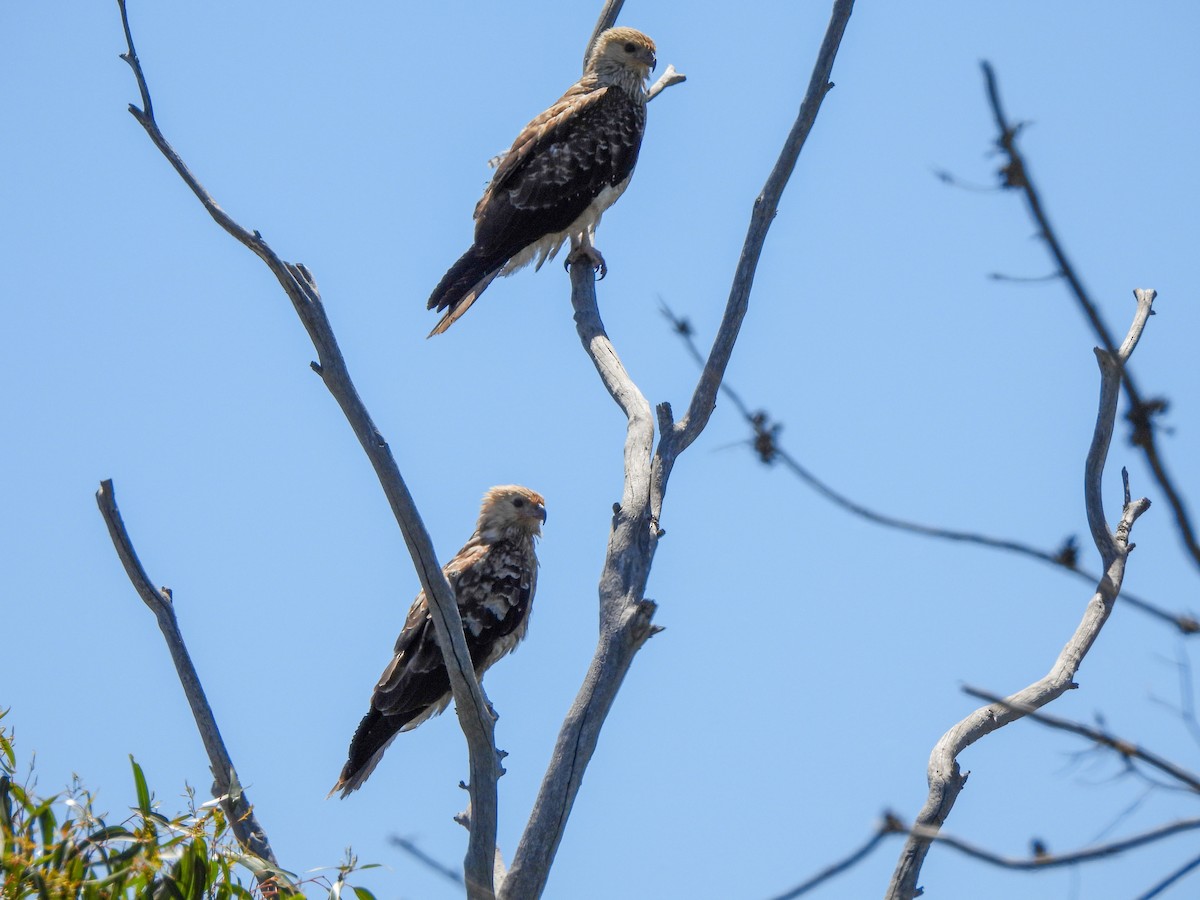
(625, 613)
(945, 779)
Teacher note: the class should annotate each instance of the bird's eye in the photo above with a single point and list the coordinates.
(630, 47)
(518, 503)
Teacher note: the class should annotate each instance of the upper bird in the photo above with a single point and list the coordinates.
(493, 578)
(565, 168)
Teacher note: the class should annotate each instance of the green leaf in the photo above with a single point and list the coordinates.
(363, 893)
(139, 781)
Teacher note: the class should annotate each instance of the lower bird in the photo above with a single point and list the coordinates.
(562, 172)
(493, 578)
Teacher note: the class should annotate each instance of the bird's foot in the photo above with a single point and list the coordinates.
(589, 254)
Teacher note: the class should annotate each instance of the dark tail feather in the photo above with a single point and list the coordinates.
(462, 285)
(371, 738)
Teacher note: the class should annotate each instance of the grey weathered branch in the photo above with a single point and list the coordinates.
(625, 613)
(470, 703)
(668, 78)
(1127, 749)
(226, 785)
(1142, 411)
(767, 446)
(945, 779)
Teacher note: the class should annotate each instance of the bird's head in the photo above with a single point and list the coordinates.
(622, 52)
(511, 511)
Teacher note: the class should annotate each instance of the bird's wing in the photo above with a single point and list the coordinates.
(416, 677)
(588, 140)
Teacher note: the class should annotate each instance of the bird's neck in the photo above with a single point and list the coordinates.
(610, 74)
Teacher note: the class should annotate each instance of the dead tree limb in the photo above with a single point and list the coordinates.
(226, 788)
(625, 613)
(946, 781)
(469, 700)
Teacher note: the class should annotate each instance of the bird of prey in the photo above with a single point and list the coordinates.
(493, 578)
(565, 168)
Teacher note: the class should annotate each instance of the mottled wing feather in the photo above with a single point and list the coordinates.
(587, 141)
(493, 586)
(416, 677)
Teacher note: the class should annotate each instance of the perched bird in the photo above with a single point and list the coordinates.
(562, 172)
(493, 578)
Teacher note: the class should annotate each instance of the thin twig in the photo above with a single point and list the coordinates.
(945, 779)
(226, 785)
(832, 871)
(470, 703)
(411, 848)
(1127, 749)
(1142, 412)
(1039, 861)
(1186, 869)
(769, 449)
(1058, 860)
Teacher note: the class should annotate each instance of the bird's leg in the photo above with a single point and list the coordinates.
(582, 248)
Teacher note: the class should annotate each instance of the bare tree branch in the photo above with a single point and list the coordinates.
(470, 703)
(410, 847)
(625, 614)
(668, 78)
(1186, 869)
(1142, 411)
(767, 446)
(1039, 861)
(1126, 748)
(1058, 860)
(226, 785)
(945, 779)
(888, 826)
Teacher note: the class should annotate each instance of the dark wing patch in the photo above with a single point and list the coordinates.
(541, 188)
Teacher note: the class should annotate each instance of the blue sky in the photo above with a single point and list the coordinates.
(810, 660)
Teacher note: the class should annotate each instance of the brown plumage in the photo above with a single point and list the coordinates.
(565, 168)
(493, 578)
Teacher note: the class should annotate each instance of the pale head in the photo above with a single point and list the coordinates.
(510, 511)
(622, 52)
